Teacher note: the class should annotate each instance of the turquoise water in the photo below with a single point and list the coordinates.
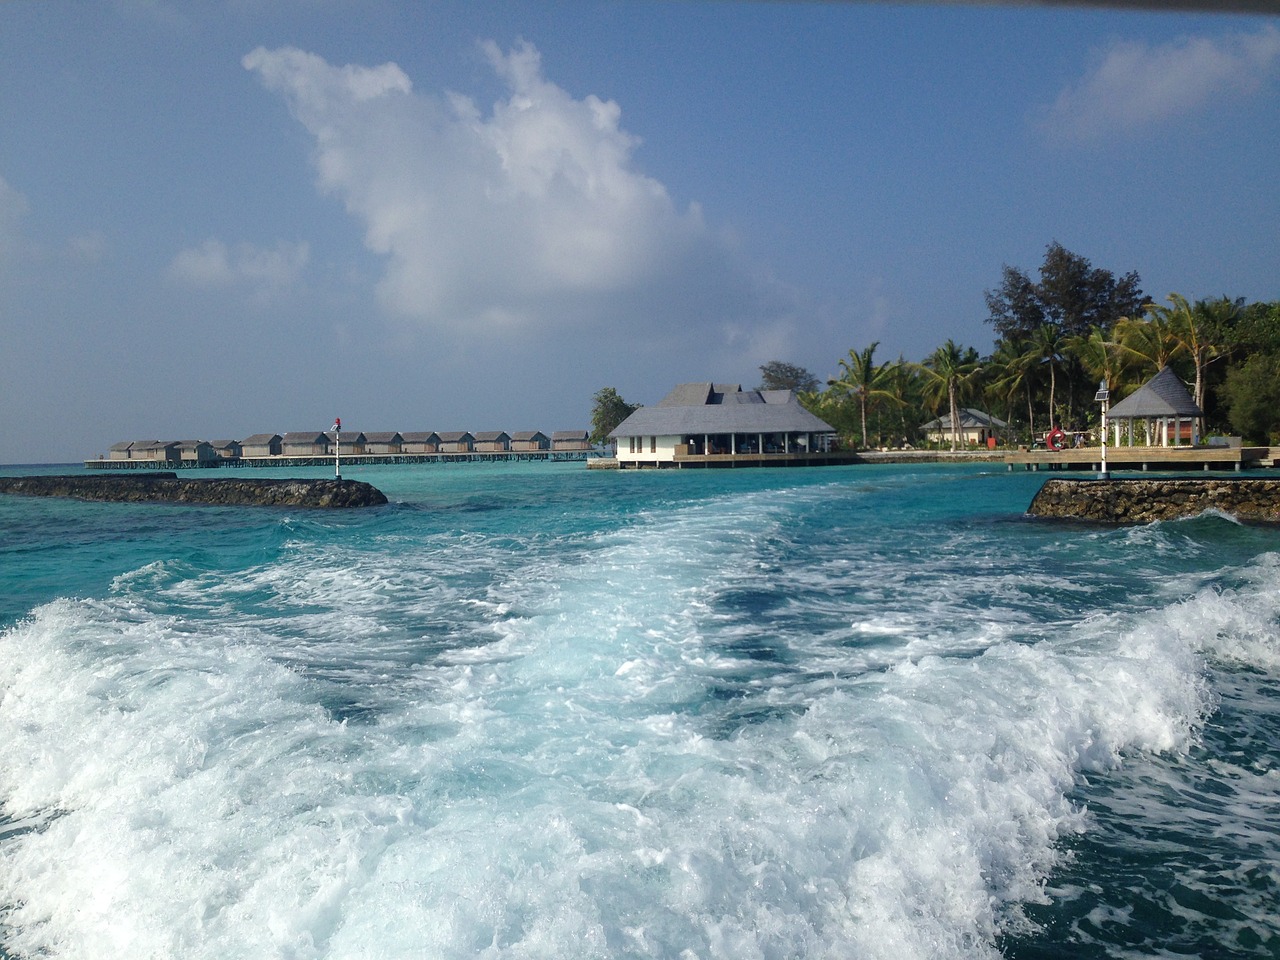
(537, 711)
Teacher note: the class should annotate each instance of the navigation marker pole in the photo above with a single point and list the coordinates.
(1103, 396)
(337, 448)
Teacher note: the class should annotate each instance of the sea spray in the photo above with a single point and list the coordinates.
(709, 722)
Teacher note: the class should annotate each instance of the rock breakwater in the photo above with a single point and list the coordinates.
(1254, 500)
(167, 488)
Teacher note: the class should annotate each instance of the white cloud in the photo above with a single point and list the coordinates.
(1136, 86)
(214, 264)
(528, 217)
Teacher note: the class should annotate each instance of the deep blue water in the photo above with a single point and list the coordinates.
(538, 711)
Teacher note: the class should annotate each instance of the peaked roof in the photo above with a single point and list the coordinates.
(969, 418)
(721, 408)
(1162, 396)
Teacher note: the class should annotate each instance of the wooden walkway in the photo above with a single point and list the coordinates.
(1146, 458)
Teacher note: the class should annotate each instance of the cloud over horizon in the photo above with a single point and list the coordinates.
(530, 217)
(1136, 86)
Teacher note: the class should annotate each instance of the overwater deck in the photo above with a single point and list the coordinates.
(1146, 458)
(699, 461)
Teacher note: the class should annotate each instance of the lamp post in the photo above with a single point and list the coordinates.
(1103, 396)
(337, 448)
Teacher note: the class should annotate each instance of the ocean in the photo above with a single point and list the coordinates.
(536, 711)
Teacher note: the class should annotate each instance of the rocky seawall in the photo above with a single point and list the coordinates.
(1250, 499)
(167, 488)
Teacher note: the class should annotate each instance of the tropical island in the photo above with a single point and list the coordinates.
(1060, 339)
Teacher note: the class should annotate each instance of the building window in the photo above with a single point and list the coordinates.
(653, 444)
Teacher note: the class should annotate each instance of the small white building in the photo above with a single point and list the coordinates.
(976, 427)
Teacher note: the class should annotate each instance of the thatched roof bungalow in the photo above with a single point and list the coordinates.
(262, 445)
(570, 440)
(530, 440)
(420, 441)
(307, 443)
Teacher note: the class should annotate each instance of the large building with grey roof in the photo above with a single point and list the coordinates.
(699, 421)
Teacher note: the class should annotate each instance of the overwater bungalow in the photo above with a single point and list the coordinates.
(570, 440)
(420, 441)
(262, 445)
(460, 441)
(307, 443)
(492, 441)
(524, 440)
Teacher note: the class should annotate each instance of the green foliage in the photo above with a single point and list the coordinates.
(607, 411)
(1071, 295)
(867, 385)
(950, 373)
(1059, 337)
(776, 375)
(1251, 394)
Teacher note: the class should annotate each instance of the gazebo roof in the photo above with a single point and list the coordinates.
(1162, 396)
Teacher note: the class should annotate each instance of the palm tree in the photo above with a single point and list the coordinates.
(1204, 331)
(1011, 367)
(1101, 358)
(950, 372)
(1150, 343)
(1049, 344)
(864, 381)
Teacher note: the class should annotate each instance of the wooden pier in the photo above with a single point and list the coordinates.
(1146, 458)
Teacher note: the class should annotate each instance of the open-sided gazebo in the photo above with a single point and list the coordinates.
(1161, 403)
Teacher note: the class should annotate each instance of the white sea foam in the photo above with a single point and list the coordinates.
(648, 749)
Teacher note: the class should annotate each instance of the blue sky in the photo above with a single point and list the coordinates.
(226, 218)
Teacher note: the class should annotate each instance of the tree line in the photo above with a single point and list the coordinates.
(1057, 337)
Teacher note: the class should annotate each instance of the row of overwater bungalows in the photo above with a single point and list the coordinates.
(353, 444)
